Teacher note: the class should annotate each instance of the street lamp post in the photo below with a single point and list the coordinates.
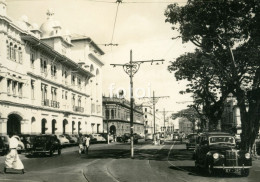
(131, 68)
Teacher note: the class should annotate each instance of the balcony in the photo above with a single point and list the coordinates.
(50, 103)
(78, 109)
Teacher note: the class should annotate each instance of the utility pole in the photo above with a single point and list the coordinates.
(154, 101)
(131, 68)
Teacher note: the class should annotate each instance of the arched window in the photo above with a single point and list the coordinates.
(44, 121)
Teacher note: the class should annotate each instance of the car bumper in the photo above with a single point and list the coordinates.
(231, 167)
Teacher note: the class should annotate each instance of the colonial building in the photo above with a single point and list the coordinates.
(116, 112)
(149, 120)
(50, 81)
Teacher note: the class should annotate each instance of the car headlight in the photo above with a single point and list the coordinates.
(247, 156)
(216, 156)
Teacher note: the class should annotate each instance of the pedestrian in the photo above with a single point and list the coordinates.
(81, 143)
(87, 144)
(12, 160)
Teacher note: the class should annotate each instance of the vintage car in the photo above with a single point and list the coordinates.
(4, 145)
(217, 151)
(191, 141)
(46, 144)
(27, 141)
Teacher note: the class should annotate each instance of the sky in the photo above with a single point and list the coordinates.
(140, 26)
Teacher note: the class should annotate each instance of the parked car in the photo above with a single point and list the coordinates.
(191, 141)
(75, 138)
(71, 139)
(111, 138)
(99, 137)
(92, 139)
(148, 136)
(63, 140)
(4, 145)
(127, 138)
(46, 144)
(27, 141)
(217, 151)
(5, 139)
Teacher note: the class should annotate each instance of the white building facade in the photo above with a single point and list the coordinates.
(47, 86)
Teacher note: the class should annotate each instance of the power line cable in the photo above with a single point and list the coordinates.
(118, 2)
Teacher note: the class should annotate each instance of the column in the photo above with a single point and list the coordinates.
(3, 125)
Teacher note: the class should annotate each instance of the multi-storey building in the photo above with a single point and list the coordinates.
(116, 112)
(49, 82)
(149, 120)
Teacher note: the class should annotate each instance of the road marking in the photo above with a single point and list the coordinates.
(109, 173)
(18, 180)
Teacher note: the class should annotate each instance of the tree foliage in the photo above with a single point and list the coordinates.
(227, 59)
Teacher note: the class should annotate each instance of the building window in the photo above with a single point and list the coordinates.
(98, 108)
(145, 116)
(54, 94)
(53, 71)
(62, 94)
(43, 65)
(79, 82)
(20, 89)
(32, 58)
(14, 85)
(73, 100)
(32, 89)
(145, 109)
(9, 83)
(66, 95)
(44, 92)
(8, 50)
(79, 101)
(73, 79)
(20, 55)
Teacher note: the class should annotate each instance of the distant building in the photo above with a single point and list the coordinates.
(149, 120)
(185, 126)
(116, 112)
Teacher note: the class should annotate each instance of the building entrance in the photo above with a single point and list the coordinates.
(113, 129)
(14, 124)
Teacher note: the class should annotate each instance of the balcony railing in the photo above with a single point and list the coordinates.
(50, 103)
(78, 109)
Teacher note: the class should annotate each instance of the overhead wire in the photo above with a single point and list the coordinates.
(115, 22)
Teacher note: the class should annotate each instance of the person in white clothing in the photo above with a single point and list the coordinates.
(87, 144)
(12, 160)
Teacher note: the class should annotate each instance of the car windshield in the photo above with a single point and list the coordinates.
(221, 139)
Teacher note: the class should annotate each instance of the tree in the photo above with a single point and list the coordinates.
(227, 31)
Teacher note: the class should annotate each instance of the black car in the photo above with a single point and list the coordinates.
(3, 146)
(191, 141)
(46, 144)
(217, 151)
(127, 137)
(27, 141)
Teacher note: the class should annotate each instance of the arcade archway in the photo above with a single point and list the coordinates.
(112, 130)
(14, 124)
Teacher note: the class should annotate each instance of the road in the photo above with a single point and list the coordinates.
(111, 163)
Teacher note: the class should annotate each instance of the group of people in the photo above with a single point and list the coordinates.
(84, 143)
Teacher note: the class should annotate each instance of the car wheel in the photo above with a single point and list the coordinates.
(59, 151)
(51, 152)
(210, 170)
(244, 172)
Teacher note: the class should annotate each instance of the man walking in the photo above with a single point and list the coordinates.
(87, 144)
(81, 143)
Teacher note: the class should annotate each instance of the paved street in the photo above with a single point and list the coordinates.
(111, 163)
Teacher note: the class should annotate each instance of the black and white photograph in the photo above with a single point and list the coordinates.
(129, 90)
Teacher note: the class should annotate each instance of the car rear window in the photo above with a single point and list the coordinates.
(41, 138)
